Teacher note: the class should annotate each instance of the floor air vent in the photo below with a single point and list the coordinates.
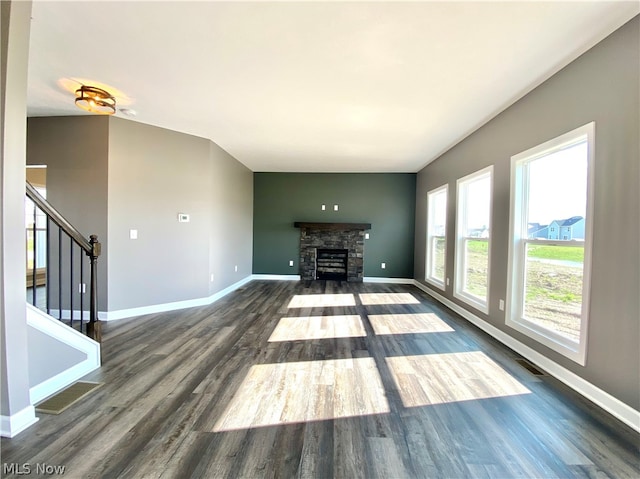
(530, 367)
(67, 397)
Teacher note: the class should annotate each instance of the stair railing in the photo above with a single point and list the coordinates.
(64, 267)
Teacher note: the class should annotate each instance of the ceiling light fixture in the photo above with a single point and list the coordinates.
(95, 100)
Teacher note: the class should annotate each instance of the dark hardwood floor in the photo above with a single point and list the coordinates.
(322, 379)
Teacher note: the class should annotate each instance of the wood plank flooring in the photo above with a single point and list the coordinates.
(322, 379)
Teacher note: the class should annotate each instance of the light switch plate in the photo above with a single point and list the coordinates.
(133, 234)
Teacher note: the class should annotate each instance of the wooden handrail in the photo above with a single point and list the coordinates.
(59, 220)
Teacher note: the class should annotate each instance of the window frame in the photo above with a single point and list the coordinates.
(460, 249)
(514, 316)
(431, 237)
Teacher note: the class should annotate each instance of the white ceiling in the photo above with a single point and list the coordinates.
(312, 86)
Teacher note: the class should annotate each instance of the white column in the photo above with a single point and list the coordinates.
(16, 410)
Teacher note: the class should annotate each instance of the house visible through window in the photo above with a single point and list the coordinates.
(473, 237)
(436, 236)
(549, 273)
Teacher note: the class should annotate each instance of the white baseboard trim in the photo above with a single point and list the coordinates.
(57, 330)
(606, 401)
(11, 426)
(276, 277)
(164, 307)
(375, 279)
(66, 314)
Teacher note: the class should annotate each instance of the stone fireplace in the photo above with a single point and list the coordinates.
(331, 236)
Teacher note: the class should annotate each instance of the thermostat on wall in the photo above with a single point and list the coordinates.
(183, 217)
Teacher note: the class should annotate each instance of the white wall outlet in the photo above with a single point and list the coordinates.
(335, 207)
(383, 265)
(82, 288)
(290, 262)
(448, 281)
(133, 234)
(323, 207)
(212, 277)
(236, 268)
(501, 305)
(183, 218)
(366, 236)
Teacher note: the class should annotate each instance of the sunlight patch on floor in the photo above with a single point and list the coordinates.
(318, 327)
(283, 393)
(321, 300)
(370, 299)
(444, 378)
(409, 323)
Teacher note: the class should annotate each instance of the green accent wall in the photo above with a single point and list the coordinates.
(387, 201)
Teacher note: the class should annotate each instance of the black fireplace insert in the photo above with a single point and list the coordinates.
(332, 264)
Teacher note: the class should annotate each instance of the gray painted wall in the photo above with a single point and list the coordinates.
(14, 384)
(231, 238)
(110, 175)
(49, 357)
(154, 174)
(75, 150)
(385, 200)
(603, 86)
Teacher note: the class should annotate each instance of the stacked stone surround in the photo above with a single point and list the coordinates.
(314, 238)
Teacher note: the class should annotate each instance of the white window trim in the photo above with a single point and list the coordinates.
(458, 280)
(430, 279)
(517, 224)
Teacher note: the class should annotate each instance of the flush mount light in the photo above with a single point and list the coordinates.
(95, 100)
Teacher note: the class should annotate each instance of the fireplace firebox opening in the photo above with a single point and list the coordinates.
(332, 264)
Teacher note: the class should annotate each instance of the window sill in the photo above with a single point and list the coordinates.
(565, 347)
(472, 301)
(435, 282)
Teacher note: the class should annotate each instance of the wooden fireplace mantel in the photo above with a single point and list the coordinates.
(333, 226)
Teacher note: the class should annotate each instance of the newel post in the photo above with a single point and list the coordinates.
(94, 328)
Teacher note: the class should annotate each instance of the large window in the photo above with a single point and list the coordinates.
(35, 216)
(551, 242)
(436, 236)
(473, 237)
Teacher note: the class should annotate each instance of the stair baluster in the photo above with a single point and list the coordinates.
(90, 249)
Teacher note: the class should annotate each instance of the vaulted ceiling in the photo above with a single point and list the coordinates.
(311, 86)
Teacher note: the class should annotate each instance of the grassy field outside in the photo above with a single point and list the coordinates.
(556, 253)
(553, 284)
(438, 258)
(553, 297)
(477, 262)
